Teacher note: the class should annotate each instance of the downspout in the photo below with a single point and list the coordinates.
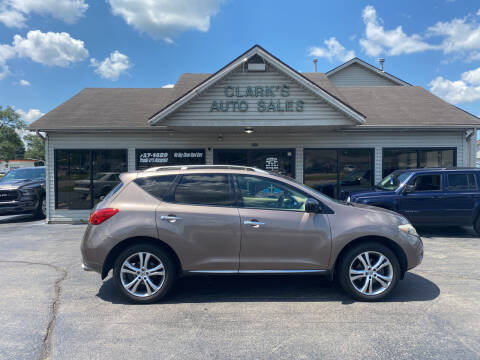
(468, 139)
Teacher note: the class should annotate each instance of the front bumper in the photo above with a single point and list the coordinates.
(18, 207)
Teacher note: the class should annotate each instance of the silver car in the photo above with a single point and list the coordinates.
(162, 223)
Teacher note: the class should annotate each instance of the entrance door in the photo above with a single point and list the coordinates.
(276, 160)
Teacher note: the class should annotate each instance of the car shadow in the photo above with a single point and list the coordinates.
(22, 218)
(447, 231)
(273, 288)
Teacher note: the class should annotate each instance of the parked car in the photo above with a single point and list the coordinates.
(429, 196)
(164, 222)
(354, 181)
(22, 191)
(103, 183)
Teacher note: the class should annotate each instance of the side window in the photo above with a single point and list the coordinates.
(457, 182)
(263, 193)
(204, 189)
(427, 182)
(156, 185)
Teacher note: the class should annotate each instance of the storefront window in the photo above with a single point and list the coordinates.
(400, 159)
(276, 160)
(337, 171)
(146, 158)
(84, 176)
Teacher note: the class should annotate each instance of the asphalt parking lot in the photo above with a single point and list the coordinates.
(51, 309)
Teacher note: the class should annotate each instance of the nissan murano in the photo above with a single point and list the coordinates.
(162, 223)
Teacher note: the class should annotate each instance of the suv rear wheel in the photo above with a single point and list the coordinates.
(369, 271)
(144, 273)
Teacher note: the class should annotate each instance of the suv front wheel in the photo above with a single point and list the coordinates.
(144, 273)
(369, 271)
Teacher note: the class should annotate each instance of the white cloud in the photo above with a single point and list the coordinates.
(377, 40)
(29, 116)
(51, 49)
(11, 18)
(168, 86)
(333, 51)
(459, 91)
(13, 12)
(459, 35)
(6, 52)
(113, 66)
(163, 19)
(24, 82)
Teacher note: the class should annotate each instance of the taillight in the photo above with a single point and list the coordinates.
(99, 216)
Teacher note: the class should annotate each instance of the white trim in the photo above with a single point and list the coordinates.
(276, 63)
(369, 67)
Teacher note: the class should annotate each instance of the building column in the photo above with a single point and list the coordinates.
(299, 164)
(209, 156)
(378, 163)
(131, 165)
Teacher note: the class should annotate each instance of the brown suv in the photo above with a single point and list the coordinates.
(164, 222)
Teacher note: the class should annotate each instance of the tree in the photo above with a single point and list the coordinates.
(9, 118)
(35, 147)
(11, 146)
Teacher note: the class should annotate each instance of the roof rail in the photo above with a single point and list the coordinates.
(206, 167)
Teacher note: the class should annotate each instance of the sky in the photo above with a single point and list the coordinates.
(52, 49)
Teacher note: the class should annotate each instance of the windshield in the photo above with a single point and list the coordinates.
(393, 181)
(24, 174)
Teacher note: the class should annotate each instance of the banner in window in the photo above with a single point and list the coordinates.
(147, 158)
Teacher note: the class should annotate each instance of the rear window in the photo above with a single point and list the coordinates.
(458, 182)
(113, 191)
(156, 185)
(208, 189)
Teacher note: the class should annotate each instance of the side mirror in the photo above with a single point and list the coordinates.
(312, 206)
(408, 189)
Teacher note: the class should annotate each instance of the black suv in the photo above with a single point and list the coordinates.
(23, 191)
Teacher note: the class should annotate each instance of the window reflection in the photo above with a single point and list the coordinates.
(400, 159)
(84, 176)
(335, 172)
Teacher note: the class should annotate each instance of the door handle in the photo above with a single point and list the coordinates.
(254, 223)
(170, 218)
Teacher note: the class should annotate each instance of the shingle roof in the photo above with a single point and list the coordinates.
(110, 108)
(405, 106)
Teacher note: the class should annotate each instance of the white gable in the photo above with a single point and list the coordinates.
(267, 98)
(358, 75)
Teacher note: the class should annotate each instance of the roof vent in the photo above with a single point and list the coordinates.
(381, 61)
(256, 63)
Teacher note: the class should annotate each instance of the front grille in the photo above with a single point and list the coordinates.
(9, 195)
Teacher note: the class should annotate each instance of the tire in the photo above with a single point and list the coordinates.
(476, 225)
(145, 291)
(41, 211)
(357, 284)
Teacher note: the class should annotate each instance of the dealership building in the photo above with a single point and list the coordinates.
(337, 131)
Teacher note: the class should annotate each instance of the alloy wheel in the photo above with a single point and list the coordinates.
(371, 273)
(142, 274)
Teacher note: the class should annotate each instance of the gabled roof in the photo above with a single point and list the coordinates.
(287, 70)
(368, 67)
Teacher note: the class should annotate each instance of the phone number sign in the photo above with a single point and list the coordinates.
(156, 157)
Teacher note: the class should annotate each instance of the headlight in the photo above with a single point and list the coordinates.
(408, 229)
